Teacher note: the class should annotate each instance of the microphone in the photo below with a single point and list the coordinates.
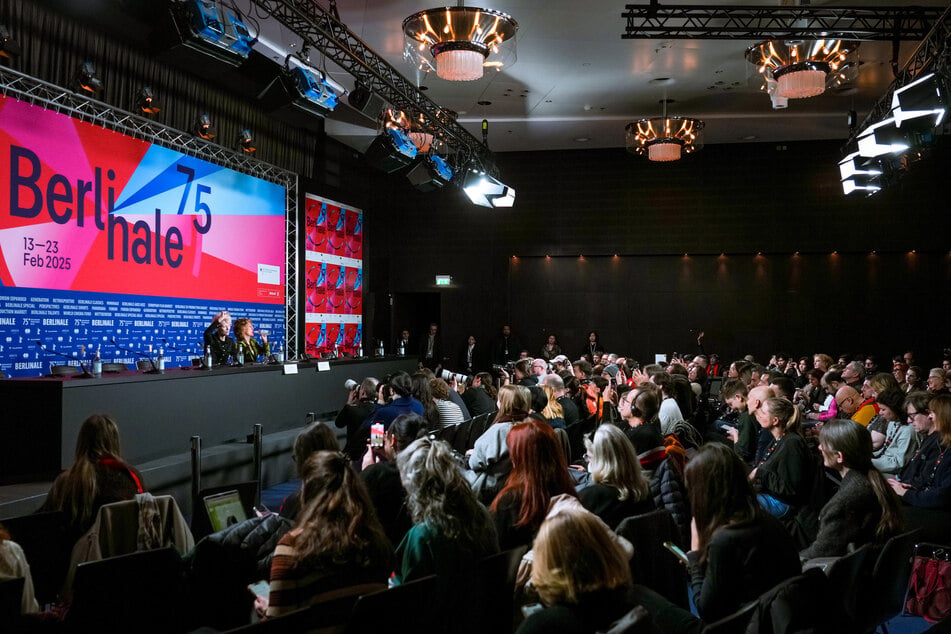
(85, 373)
(141, 355)
(177, 349)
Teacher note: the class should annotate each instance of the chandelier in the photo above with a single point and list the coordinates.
(664, 139)
(804, 68)
(460, 39)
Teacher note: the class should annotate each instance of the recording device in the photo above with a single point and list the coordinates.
(376, 435)
(449, 376)
(141, 355)
(677, 552)
(350, 385)
(85, 373)
(508, 367)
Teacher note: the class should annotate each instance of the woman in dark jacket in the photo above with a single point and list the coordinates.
(783, 472)
(864, 509)
(620, 489)
(738, 551)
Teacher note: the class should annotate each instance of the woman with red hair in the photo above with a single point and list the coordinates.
(539, 473)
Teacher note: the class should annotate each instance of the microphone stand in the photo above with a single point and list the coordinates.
(188, 352)
(86, 374)
(141, 355)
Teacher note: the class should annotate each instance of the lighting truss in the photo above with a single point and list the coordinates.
(52, 97)
(687, 22)
(322, 31)
(932, 55)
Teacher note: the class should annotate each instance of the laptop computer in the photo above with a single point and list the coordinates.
(224, 510)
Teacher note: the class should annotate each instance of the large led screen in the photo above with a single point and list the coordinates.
(105, 238)
(333, 304)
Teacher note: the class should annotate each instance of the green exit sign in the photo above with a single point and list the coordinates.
(443, 280)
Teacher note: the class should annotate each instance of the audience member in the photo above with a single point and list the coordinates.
(582, 577)
(480, 396)
(449, 412)
(619, 488)
(782, 476)
(360, 404)
(13, 565)
(451, 530)
(737, 550)
(422, 393)
(337, 542)
(505, 347)
(553, 411)
(318, 436)
(900, 441)
(914, 379)
(539, 472)
(550, 349)
(864, 509)
(489, 463)
(937, 381)
(97, 476)
(850, 404)
(926, 480)
(568, 406)
(403, 403)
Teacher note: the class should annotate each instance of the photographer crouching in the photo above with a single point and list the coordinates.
(361, 402)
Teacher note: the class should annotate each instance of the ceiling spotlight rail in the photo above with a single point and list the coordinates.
(654, 21)
(324, 32)
(933, 54)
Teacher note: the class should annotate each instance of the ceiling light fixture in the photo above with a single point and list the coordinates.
(664, 139)
(460, 39)
(803, 68)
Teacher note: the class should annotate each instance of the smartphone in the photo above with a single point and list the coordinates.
(260, 589)
(376, 435)
(678, 553)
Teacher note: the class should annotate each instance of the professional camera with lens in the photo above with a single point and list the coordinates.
(449, 376)
(508, 367)
(350, 385)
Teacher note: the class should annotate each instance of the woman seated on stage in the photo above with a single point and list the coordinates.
(620, 488)
(216, 338)
(337, 543)
(451, 530)
(864, 509)
(98, 476)
(246, 343)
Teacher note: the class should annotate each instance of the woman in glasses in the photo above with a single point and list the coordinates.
(926, 481)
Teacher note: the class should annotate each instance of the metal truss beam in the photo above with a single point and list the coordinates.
(932, 55)
(687, 22)
(40, 93)
(324, 32)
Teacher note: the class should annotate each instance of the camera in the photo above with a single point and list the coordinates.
(350, 385)
(508, 367)
(449, 376)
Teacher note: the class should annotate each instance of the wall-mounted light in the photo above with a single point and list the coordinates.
(145, 101)
(86, 80)
(245, 141)
(204, 128)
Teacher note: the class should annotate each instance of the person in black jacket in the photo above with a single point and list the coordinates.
(360, 404)
(737, 550)
(783, 474)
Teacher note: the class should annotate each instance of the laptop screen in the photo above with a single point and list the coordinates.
(224, 510)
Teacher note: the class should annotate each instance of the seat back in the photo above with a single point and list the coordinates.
(479, 424)
(410, 603)
(138, 592)
(849, 579)
(447, 433)
(652, 565)
(576, 434)
(736, 623)
(493, 602)
(886, 596)
(801, 604)
(11, 598)
(44, 540)
(144, 365)
(461, 440)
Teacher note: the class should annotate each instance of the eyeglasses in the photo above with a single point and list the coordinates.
(923, 412)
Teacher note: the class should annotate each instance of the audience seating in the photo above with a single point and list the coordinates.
(479, 424)
(44, 541)
(493, 608)
(576, 434)
(850, 581)
(11, 599)
(406, 608)
(447, 434)
(885, 598)
(653, 565)
(138, 592)
(461, 440)
(801, 604)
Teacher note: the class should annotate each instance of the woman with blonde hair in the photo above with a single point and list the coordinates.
(619, 488)
(553, 412)
(489, 463)
(582, 577)
(782, 475)
(97, 476)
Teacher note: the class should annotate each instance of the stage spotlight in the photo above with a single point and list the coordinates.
(882, 138)
(85, 80)
(145, 101)
(8, 46)
(204, 128)
(214, 28)
(430, 173)
(854, 164)
(487, 191)
(867, 183)
(921, 99)
(246, 141)
(391, 150)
